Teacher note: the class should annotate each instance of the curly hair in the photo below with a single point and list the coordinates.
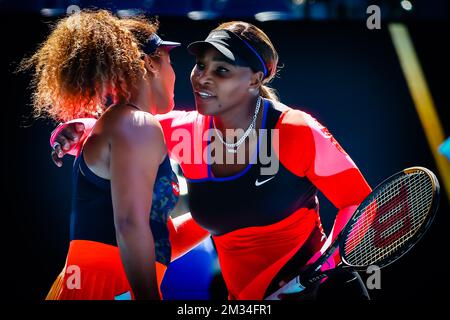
(88, 58)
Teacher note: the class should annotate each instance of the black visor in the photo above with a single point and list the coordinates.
(235, 49)
(155, 42)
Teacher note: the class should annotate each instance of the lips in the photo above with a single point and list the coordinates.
(204, 94)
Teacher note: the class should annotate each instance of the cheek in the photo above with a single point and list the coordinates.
(172, 78)
(193, 75)
(168, 77)
(231, 90)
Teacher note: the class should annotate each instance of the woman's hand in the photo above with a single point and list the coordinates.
(65, 138)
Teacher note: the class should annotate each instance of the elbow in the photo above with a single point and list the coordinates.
(128, 225)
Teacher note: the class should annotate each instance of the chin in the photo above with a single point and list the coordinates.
(201, 110)
(168, 107)
(204, 109)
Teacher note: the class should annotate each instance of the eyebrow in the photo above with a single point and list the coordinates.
(222, 59)
(219, 58)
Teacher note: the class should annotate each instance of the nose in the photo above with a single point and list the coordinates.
(202, 77)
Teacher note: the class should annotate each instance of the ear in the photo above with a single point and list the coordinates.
(150, 65)
(256, 81)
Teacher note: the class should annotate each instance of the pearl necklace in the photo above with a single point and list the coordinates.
(233, 147)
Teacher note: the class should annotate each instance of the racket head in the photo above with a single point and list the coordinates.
(391, 220)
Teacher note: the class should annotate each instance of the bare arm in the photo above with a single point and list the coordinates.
(137, 148)
(71, 135)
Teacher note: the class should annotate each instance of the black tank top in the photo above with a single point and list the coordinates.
(92, 212)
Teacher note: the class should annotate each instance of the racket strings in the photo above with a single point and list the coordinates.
(418, 207)
(384, 234)
(393, 228)
(391, 218)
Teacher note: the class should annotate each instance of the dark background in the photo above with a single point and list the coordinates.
(345, 75)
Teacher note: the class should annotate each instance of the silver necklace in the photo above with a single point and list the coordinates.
(233, 147)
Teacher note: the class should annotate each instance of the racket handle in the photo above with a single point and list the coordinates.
(318, 277)
(293, 286)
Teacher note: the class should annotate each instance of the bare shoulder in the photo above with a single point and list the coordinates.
(140, 127)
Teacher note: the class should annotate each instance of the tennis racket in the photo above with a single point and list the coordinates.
(386, 225)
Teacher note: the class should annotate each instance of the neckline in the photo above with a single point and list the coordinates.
(254, 156)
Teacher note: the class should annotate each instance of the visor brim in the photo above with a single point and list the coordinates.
(198, 47)
(169, 45)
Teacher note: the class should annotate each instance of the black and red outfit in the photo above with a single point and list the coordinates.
(264, 226)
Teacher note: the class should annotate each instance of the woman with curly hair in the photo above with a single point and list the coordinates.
(123, 184)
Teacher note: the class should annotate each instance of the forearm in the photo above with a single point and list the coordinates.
(137, 250)
(342, 217)
(184, 234)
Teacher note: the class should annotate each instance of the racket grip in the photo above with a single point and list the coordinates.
(319, 277)
(293, 286)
